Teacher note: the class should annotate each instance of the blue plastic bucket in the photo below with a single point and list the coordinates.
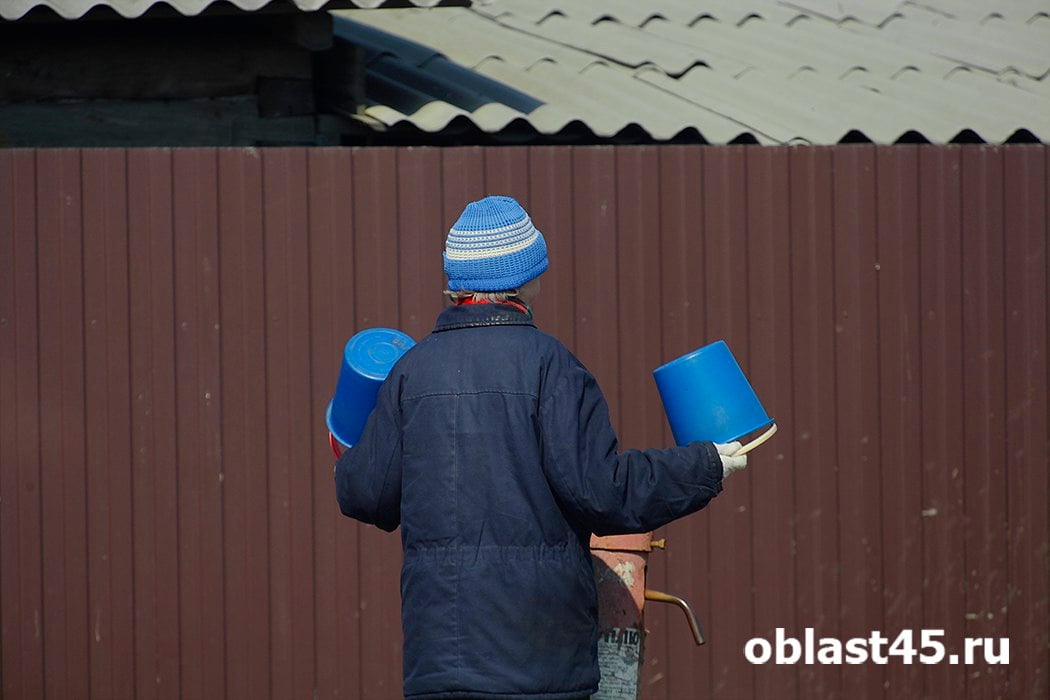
(707, 397)
(367, 360)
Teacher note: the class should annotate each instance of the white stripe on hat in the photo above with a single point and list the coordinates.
(473, 252)
(463, 236)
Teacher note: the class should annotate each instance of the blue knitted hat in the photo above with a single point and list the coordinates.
(493, 247)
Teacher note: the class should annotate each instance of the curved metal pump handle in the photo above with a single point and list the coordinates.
(694, 626)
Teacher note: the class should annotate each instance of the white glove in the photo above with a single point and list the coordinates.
(730, 463)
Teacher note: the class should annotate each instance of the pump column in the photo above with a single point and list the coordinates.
(619, 572)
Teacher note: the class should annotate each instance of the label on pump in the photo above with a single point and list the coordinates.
(619, 657)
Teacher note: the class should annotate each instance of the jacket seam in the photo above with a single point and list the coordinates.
(547, 455)
(472, 547)
(460, 661)
(484, 317)
(386, 476)
(498, 392)
(479, 695)
(516, 552)
(481, 324)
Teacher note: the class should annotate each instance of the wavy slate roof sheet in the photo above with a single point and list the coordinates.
(811, 71)
(73, 9)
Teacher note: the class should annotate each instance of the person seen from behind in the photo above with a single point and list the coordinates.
(491, 446)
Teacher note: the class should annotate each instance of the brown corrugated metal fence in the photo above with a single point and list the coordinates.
(170, 330)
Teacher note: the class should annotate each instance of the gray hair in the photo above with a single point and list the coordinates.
(460, 295)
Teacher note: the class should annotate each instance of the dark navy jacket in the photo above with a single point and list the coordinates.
(491, 446)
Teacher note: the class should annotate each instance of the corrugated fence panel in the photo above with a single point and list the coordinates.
(813, 407)
(198, 433)
(984, 452)
(724, 280)
(1027, 317)
(857, 420)
(155, 512)
(65, 612)
(507, 171)
(107, 454)
(899, 353)
(640, 342)
(942, 476)
(773, 493)
(288, 426)
(377, 303)
(550, 183)
(638, 274)
(550, 175)
(685, 565)
(243, 394)
(171, 324)
(337, 586)
(596, 281)
(420, 239)
(21, 566)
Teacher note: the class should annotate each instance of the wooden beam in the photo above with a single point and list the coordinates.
(231, 121)
(152, 59)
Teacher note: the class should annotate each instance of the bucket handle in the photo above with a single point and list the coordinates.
(757, 441)
(335, 445)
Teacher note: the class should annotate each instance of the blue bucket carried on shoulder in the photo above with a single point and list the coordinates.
(367, 360)
(707, 397)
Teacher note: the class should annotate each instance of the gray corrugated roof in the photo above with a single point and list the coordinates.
(809, 71)
(73, 9)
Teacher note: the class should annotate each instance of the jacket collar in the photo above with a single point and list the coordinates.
(472, 315)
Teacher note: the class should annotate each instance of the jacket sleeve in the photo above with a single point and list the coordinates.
(612, 492)
(368, 475)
